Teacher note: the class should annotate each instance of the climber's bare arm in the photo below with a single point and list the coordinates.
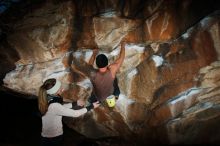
(117, 64)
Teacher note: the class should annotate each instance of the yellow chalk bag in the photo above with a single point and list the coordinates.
(110, 100)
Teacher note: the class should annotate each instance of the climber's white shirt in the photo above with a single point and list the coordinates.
(52, 121)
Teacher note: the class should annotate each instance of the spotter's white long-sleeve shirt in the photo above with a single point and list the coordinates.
(52, 121)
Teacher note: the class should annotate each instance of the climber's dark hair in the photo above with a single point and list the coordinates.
(101, 61)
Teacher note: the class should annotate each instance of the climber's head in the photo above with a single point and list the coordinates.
(102, 62)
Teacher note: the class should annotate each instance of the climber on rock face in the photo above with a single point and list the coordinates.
(104, 78)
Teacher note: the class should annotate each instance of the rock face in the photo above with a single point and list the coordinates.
(169, 80)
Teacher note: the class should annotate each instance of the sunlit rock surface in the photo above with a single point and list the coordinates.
(169, 80)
